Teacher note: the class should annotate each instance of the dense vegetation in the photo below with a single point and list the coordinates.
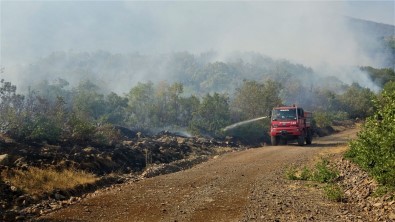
(202, 98)
(374, 149)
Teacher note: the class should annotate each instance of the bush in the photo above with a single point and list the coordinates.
(81, 130)
(106, 135)
(251, 133)
(291, 173)
(334, 192)
(323, 173)
(374, 149)
(45, 129)
(326, 119)
(320, 173)
(305, 174)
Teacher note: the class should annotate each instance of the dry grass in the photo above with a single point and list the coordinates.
(339, 149)
(38, 181)
(222, 150)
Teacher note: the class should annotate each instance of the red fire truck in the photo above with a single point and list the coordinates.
(290, 123)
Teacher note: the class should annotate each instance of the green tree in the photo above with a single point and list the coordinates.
(357, 101)
(167, 105)
(116, 109)
(11, 108)
(88, 103)
(374, 149)
(189, 105)
(212, 115)
(389, 86)
(380, 76)
(140, 106)
(255, 99)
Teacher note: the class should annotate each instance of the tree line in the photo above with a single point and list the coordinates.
(56, 111)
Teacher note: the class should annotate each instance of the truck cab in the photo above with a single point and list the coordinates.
(290, 123)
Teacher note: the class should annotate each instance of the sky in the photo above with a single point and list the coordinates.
(312, 33)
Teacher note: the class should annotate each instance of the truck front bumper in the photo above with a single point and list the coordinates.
(288, 132)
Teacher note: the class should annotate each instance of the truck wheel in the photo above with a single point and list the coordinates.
(301, 140)
(309, 137)
(275, 140)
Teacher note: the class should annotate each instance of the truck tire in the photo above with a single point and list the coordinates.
(309, 137)
(275, 140)
(301, 140)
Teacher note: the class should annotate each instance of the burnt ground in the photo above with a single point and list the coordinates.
(115, 163)
(248, 185)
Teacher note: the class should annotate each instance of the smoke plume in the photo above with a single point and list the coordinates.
(315, 34)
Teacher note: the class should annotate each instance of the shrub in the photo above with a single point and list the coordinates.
(374, 149)
(106, 134)
(320, 173)
(291, 173)
(45, 129)
(305, 174)
(81, 130)
(326, 119)
(334, 192)
(323, 173)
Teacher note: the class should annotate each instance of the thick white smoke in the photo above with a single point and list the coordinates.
(312, 33)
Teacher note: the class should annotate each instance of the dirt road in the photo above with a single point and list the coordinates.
(240, 186)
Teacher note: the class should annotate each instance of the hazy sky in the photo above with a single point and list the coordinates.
(298, 30)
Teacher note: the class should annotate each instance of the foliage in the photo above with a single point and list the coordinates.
(250, 84)
(305, 174)
(11, 105)
(212, 115)
(88, 103)
(357, 101)
(323, 173)
(81, 129)
(334, 192)
(320, 173)
(255, 99)
(116, 107)
(167, 104)
(41, 132)
(291, 173)
(389, 86)
(324, 119)
(380, 76)
(374, 149)
(252, 133)
(141, 105)
(106, 134)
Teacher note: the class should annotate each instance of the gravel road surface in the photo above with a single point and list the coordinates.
(240, 186)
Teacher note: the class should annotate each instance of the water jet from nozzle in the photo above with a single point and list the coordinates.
(243, 123)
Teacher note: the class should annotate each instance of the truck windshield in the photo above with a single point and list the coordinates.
(284, 114)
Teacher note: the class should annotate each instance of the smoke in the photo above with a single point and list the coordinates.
(313, 33)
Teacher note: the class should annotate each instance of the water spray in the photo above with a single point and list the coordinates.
(243, 123)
